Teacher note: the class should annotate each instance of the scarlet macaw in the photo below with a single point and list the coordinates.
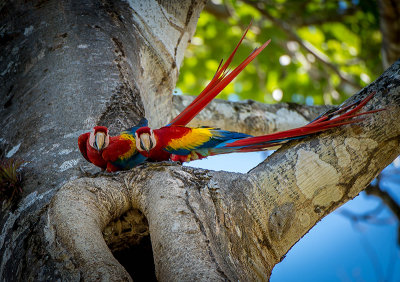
(111, 152)
(91, 143)
(179, 143)
(119, 152)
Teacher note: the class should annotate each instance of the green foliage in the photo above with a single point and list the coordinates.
(344, 34)
(10, 179)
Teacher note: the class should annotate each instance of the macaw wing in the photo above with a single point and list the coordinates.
(132, 130)
(82, 143)
(200, 141)
(348, 114)
(122, 152)
(222, 148)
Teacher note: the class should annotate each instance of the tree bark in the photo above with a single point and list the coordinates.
(66, 66)
(203, 225)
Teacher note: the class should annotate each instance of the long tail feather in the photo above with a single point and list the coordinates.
(320, 124)
(359, 104)
(221, 79)
(217, 77)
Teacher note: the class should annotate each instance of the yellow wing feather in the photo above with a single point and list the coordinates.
(193, 139)
(132, 144)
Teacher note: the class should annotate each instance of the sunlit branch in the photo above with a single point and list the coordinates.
(319, 19)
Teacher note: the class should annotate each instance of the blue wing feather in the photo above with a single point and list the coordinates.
(217, 137)
(131, 162)
(132, 130)
(136, 158)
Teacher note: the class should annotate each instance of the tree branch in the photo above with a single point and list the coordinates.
(328, 171)
(75, 223)
(68, 66)
(203, 224)
(221, 11)
(249, 116)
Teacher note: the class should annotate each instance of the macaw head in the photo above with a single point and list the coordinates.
(99, 138)
(145, 140)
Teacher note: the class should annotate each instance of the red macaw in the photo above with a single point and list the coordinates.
(179, 143)
(91, 143)
(111, 152)
(120, 151)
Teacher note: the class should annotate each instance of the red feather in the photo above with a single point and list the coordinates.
(322, 123)
(95, 157)
(116, 148)
(220, 80)
(90, 153)
(162, 135)
(82, 143)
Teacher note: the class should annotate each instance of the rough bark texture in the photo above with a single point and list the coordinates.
(68, 65)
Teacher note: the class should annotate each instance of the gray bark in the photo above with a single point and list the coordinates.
(86, 63)
(64, 63)
(66, 66)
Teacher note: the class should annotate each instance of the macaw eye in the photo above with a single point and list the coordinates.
(151, 143)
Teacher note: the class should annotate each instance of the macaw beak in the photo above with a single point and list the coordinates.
(145, 142)
(99, 141)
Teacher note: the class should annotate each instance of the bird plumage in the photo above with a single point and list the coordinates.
(220, 80)
(121, 151)
(90, 148)
(185, 144)
(118, 153)
(181, 140)
(173, 131)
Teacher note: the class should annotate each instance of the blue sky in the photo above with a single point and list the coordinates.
(337, 248)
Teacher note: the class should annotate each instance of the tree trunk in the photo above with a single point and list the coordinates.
(66, 66)
(69, 65)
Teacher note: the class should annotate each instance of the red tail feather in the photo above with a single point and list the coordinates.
(321, 124)
(345, 108)
(217, 77)
(220, 80)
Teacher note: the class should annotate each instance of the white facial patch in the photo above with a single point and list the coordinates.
(91, 138)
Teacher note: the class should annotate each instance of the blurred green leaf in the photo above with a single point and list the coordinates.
(344, 34)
